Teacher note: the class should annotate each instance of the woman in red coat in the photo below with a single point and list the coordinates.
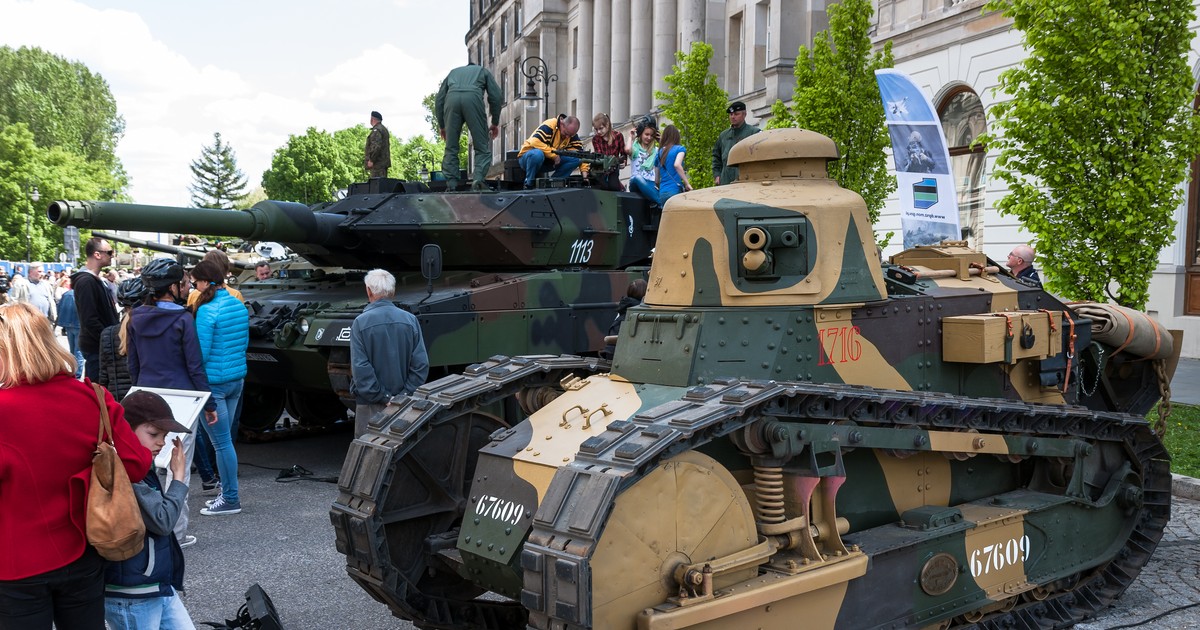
(48, 427)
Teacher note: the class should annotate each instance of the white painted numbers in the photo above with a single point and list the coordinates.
(999, 556)
(502, 510)
(581, 251)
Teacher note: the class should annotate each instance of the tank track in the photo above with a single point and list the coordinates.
(359, 514)
(555, 558)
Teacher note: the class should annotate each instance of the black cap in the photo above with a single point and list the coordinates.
(737, 106)
(143, 407)
(379, 117)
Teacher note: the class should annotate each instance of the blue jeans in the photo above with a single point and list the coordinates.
(91, 366)
(70, 597)
(205, 454)
(645, 188)
(535, 163)
(164, 613)
(226, 396)
(73, 344)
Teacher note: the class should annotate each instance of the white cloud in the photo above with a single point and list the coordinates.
(173, 104)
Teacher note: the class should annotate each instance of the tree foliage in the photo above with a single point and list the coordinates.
(311, 167)
(57, 174)
(217, 182)
(696, 104)
(837, 95)
(63, 103)
(1097, 138)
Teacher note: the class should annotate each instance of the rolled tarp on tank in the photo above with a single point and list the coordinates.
(1132, 331)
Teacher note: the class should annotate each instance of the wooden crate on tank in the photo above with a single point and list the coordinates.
(986, 338)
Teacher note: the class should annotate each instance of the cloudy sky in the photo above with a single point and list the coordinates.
(256, 71)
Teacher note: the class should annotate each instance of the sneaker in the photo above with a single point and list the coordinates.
(219, 507)
(188, 541)
(211, 488)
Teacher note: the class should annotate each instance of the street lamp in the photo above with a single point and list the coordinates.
(34, 196)
(535, 69)
(424, 157)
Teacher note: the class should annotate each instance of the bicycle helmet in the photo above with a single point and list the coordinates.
(161, 273)
(131, 292)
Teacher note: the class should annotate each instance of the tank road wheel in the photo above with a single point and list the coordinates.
(319, 409)
(261, 408)
(421, 485)
(689, 509)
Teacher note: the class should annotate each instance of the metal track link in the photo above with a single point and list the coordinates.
(360, 518)
(555, 558)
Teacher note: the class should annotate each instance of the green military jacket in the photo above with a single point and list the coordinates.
(474, 79)
(720, 154)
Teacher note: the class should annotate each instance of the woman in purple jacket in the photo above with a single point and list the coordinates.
(164, 350)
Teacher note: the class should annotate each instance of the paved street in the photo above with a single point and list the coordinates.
(283, 541)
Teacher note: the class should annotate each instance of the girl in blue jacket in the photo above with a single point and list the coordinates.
(223, 325)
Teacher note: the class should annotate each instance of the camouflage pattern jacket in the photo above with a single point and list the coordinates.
(379, 148)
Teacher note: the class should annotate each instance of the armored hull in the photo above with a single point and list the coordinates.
(526, 272)
(790, 430)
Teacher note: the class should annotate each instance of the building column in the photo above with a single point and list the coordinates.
(619, 103)
(664, 41)
(641, 85)
(601, 62)
(691, 23)
(582, 70)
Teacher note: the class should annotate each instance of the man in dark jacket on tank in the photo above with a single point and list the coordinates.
(93, 304)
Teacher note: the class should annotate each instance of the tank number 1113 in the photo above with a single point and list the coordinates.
(581, 251)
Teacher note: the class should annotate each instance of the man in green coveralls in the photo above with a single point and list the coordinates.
(458, 101)
(737, 131)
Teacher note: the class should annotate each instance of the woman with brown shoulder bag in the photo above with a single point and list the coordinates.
(48, 427)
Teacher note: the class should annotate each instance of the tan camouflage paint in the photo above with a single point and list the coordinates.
(552, 446)
(810, 599)
(1004, 298)
(1002, 576)
(1024, 377)
(688, 510)
(691, 218)
(868, 365)
(921, 479)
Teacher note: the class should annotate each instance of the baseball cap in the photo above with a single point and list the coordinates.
(143, 407)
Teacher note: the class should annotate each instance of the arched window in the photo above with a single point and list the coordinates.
(963, 121)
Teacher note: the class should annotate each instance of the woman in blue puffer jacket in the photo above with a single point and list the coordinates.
(223, 325)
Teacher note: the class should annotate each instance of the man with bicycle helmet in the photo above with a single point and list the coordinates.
(164, 350)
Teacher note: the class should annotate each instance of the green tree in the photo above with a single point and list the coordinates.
(63, 103)
(696, 104)
(310, 168)
(57, 174)
(1097, 138)
(217, 182)
(837, 95)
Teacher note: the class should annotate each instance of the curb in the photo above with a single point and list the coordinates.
(1185, 487)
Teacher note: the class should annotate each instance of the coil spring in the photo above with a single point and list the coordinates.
(768, 489)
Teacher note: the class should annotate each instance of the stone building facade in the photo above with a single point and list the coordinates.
(611, 55)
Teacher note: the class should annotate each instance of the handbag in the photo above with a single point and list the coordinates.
(114, 520)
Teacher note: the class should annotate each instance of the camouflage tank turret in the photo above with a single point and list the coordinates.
(525, 271)
(791, 434)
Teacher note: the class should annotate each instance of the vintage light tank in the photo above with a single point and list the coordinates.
(791, 434)
(535, 271)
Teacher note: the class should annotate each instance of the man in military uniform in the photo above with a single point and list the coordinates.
(737, 131)
(458, 101)
(379, 148)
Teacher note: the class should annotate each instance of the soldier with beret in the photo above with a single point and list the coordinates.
(379, 148)
(737, 131)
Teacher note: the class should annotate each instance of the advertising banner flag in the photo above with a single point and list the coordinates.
(928, 203)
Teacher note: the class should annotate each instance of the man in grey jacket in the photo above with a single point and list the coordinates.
(387, 352)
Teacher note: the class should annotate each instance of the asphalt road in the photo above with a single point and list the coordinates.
(283, 541)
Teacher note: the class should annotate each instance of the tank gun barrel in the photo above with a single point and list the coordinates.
(163, 247)
(267, 220)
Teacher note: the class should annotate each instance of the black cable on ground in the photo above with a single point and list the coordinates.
(295, 473)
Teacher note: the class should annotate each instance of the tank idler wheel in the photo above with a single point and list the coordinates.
(261, 408)
(688, 509)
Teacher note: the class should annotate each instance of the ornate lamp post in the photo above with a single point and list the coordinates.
(425, 159)
(34, 196)
(535, 70)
